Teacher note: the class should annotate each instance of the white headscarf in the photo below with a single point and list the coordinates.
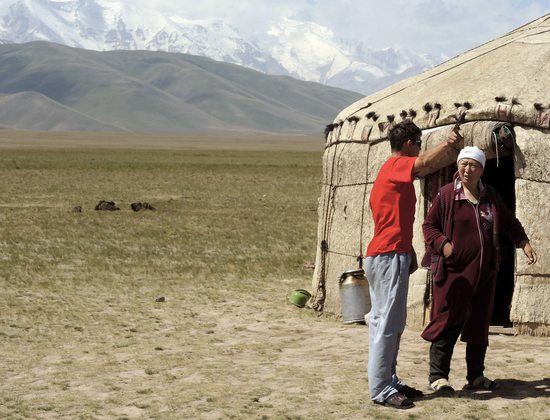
(472, 152)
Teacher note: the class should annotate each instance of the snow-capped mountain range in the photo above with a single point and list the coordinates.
(303, 50)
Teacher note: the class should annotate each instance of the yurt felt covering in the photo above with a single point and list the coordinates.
(502, 81)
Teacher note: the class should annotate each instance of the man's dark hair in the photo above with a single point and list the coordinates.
(400, 133)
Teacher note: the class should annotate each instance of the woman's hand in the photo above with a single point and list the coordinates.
(447, 249)
(529, 253)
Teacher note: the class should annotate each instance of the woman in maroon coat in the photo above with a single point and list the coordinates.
(461, 230)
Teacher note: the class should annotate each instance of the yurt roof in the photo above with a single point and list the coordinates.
(505, 79)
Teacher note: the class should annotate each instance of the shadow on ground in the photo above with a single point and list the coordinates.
(510, 389)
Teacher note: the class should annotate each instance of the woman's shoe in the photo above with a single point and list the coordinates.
(481, 383)
(441, 385)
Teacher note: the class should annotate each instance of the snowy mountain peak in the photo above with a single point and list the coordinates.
(307, 50)
(304, 50)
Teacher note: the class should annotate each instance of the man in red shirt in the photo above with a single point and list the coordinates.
(391, 258)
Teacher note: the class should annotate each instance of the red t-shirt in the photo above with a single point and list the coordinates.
(393, 202)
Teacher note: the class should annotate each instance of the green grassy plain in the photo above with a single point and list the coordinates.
(229, 224)
(81, 332)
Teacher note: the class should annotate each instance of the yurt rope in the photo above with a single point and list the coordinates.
(495, 139)
(320, 293)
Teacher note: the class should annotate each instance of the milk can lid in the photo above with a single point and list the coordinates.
(354, 273)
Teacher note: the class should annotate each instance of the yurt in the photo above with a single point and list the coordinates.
(498, 94)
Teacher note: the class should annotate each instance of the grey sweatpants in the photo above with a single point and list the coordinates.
(388, 276)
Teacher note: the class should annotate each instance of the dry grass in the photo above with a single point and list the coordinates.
(83, 337)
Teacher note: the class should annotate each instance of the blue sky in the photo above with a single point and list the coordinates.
(436, 27)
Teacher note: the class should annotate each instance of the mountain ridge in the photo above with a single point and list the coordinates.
(145, 91)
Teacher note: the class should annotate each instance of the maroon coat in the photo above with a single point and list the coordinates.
(464, 283)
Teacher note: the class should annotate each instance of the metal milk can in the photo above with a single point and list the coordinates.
(354, 296)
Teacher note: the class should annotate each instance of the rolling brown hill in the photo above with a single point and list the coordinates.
(46, 86)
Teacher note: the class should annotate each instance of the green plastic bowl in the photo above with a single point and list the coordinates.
(299, 297)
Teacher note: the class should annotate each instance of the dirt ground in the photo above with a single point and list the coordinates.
(239, 355)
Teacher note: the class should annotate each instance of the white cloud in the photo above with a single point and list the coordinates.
(433, 26)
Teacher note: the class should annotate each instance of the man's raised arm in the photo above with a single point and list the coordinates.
(427, 162)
